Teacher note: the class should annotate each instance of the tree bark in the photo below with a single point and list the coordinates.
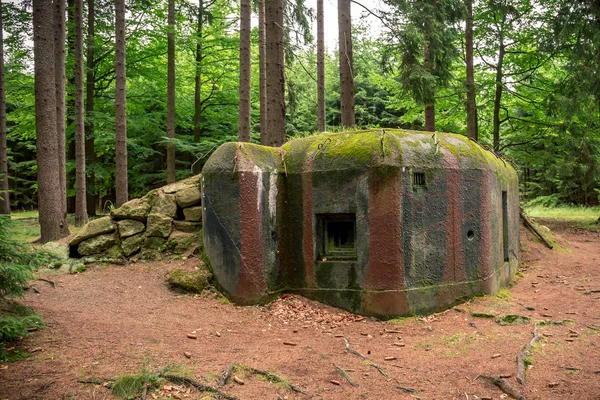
(262, 66)
(429, 105)
(320, 66)
(4, 195)
(90, 82)
(498, 96)
(122, 186)
(197, 79)
(275, 135)
(81, 216)
(60, 80)
(346, 64)
(471, 106)
(171, 93)
(51, 215)
(244, 111)
(70, 103)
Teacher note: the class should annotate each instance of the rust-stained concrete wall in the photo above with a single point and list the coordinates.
(419, 248)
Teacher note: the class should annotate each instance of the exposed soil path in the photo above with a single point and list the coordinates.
(117, 320)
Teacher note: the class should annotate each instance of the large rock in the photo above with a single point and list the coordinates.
(159, 225)
(132, 244)
(187, 226)
(189, 196)
(154, 243)
(130, 227)
(97, 245)
(175, 187)
(193, 214)
(135, 209)
(189, 281)
(95, 227)
(164, 204)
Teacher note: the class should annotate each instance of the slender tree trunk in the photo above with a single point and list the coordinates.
(346, 63)
(70, 103)
(90, 82)
(122, 186)
(429, 105)
(275, 135)
(498, 96)
(59, 71)
(244, 111)
(171, 93)
(262, 67)
(471, 105)
(321, 65)
(52, 217)
(197, 80)
(80, 203)
(4, 195)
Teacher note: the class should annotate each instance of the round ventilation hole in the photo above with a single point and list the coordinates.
(470, 235)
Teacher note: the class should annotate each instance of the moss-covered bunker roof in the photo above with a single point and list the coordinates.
(360, 150)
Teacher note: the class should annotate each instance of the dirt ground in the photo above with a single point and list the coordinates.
(110, 321)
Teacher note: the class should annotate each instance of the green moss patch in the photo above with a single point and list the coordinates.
(513, 319)
(189, 281)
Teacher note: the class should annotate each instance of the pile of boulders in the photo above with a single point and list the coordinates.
(145, 223)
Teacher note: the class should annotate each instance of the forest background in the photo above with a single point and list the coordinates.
(536, 86)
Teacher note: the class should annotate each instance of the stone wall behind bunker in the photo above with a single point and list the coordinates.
(142, 224)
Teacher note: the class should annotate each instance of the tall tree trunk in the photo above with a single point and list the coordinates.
(275, 135)
(70, 103)
(429, 105)
(122, 186)
(90, 82)
(60, 80)
(498, 96)
(52, 217)
(80, 199)
(4, 195)
(471, 105)
(244, 111)
(346, 63)
(321, 66)
(171, 93)
(262, 66)
(197, 80)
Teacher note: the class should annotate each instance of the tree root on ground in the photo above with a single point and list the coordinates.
(184, 380)
(365, 358)
(228, 371)
(506, 387)
(521, 372)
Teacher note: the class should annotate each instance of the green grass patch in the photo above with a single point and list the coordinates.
(132, 386)
(579, 216)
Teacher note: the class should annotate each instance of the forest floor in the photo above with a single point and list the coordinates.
(115, 320)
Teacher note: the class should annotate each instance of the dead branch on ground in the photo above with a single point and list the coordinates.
(184, 380)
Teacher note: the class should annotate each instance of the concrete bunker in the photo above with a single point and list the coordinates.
(381, 223)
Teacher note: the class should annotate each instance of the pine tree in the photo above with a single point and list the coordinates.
(81, 216)
(4, 195)
(171, 93)
(122, 187)
(275, 134)
(245, 43)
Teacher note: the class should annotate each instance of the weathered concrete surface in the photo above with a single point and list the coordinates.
(428, 220)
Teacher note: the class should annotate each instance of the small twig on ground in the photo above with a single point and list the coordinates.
(506, 387)
(592, 291)
(526, 353)
(405, 389)
(47, 281)
(183, 380)
(371, 363)
(95, 381)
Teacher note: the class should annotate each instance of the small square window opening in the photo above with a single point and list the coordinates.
(337, 236)
(419, 179)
